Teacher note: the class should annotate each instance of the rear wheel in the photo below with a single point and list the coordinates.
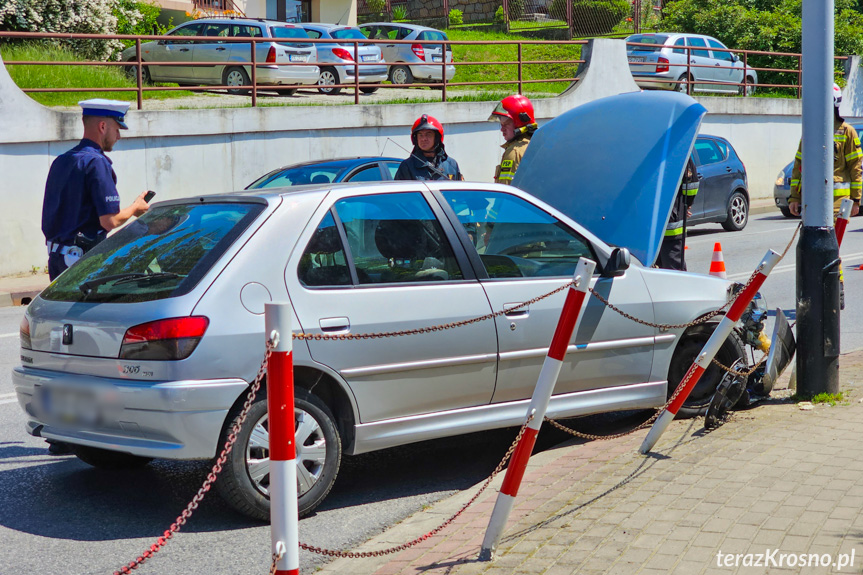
(683, 82)
(368, 90)
(104, 459)
(738, 212)
(687, 351)
(245, 480)
(401, 75)
(236, 77)
(328, 77)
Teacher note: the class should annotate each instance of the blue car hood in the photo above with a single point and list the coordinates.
(614, 165)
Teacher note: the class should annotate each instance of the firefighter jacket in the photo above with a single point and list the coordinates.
(513, 151)
(419, 167)
(683, 201)
(847, 166)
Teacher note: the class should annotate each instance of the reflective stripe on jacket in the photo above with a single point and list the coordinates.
(847, 165)
(513, 151)
(683, 200)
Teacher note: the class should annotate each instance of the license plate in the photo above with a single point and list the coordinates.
(368, 58)
(297, 58)
(636, 58)
(437, 58)
(79, 407)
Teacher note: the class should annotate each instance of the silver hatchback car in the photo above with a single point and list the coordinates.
(336, 60)
(147, 346)
(659, 61)
(409, 62)
(233, 57)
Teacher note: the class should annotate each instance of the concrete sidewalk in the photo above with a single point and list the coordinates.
(21, 289)
(774, 481)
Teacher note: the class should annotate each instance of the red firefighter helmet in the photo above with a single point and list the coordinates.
(516, 107)
(426, 122)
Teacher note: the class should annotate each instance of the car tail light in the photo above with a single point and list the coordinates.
(271, 55)
(418, 50)
(164, 339)
(25, 333)
(343, 54)
(659, 65)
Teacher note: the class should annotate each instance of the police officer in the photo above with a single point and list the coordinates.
(81, 202)
(428, 159)
(517, 124)
(672, 250)
(847, 164)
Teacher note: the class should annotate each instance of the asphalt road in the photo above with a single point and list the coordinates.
(58, 515)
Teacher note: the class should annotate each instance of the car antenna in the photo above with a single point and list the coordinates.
(428, 164)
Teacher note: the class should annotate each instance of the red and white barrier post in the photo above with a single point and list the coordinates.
(842, 219)
(702, 362)
(284, 515)
(538, 406)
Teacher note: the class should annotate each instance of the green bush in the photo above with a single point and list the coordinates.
(455, 17)
(499, 16)
(592, 17)
(516, 9)
(400, 13)
(137, 18)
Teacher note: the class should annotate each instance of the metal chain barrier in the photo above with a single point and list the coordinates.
(436, 530)
(211, 477)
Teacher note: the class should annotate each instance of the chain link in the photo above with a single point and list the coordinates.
(211, 477)
(436, 530)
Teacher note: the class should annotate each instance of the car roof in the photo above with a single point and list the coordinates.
(400, 25)
(340, 162)
(240, 21)
(322, 26)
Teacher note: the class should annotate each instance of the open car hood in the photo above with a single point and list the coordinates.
(614, 165)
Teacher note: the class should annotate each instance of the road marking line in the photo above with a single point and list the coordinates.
(712, 238)
(9, 334)
(790, 267)
(2, 401)
(7, 395)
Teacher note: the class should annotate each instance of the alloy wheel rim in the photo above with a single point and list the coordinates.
(738, 211)
(399, 77)
(235, 79)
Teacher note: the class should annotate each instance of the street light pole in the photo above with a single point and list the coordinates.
(817, 251)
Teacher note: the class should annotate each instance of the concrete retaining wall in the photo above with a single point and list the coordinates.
(188, 152)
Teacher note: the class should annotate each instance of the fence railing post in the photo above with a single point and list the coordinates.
(520, 85)
(356, 72)
(254, 73)
(506, 14)
(140, 75)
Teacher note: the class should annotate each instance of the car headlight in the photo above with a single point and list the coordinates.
(780, 179)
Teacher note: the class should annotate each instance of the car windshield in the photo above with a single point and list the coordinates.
(286, 32)
(646, 42)
(162, 254)
(299, 176)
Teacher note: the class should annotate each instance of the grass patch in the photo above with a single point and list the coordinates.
(38, 76)
(827, 398)
(509, 53)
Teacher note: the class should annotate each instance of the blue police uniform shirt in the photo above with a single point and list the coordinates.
(81, 187)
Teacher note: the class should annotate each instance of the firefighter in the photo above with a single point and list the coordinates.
(672, 250)
(517, 124)
(847, 164)
(428, 159)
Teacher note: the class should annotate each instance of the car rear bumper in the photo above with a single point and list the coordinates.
(431, 71)
(168, 420)
(654, 82)
(287, 75)
(368, 74)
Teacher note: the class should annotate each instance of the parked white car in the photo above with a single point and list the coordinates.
(337, 59)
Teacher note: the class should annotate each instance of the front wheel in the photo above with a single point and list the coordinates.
(787, 213)
(683, 83)
(738, 213)
(368, 90)
(245, 479)
(750, 87)
(132, 74)
(328, 77)
(686, 353)
(236, 77)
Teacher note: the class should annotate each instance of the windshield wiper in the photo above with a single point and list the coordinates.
(89, 287)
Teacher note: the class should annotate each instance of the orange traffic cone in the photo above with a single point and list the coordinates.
(717, 264)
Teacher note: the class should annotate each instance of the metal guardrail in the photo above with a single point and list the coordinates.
(253, 64)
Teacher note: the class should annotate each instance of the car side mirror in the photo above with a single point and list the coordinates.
(735, 58)
(618, 262)
(162, 42)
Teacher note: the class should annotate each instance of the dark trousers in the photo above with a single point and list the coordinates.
(671, 256)
(56, 265)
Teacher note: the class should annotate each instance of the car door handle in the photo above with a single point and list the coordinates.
(222, 48)
(334, 324)
(523, 311)
(389, 46)
(728, 169)
(184, 49)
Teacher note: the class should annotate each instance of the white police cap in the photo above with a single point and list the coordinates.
(106, 108)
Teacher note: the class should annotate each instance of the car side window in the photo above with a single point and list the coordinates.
(402, 33)
(368, 174)
(313, 33)
(242, 31)
(700, 43)
(217, 31)
(323, 262)
(679, 43)
(396, 238)
(514, 238)
(718, 54)
(392, 168)
(708, 152)
(190, 30)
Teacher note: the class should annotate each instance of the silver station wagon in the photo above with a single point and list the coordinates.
(147, 346)
(232, 58)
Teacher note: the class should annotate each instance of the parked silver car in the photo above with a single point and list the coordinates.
(659, 61)
(147, 346)
(336, 60)
(233, 57)
(409, 62)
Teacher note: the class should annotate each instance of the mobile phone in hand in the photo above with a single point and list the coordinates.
(149, 196)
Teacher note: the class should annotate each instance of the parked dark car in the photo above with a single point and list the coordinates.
(782, 186)
(723, 192)
(360, 169)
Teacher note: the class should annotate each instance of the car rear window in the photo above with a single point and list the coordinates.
(162, 254)
(290, 32)
(646, 42)
(299, 177)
